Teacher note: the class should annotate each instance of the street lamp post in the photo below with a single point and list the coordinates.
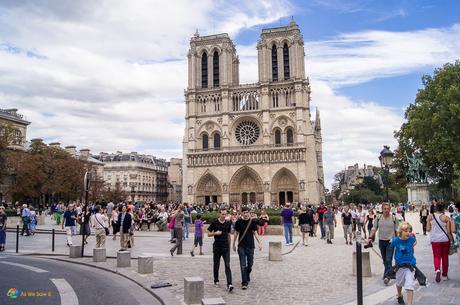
(386, 160)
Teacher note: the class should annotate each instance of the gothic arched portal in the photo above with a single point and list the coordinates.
(285, 187)
(208, 190)
(246, 186)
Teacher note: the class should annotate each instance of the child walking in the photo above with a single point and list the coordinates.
(405, 260)
(198, 235)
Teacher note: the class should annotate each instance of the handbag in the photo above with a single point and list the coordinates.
(107, 232)
(452, 248)
(305, 228)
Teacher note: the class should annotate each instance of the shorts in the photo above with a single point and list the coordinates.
(405, 278)
(198, 241)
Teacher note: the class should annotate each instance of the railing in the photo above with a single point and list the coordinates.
(247, 148)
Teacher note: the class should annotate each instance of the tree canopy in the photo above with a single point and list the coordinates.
(432, 127)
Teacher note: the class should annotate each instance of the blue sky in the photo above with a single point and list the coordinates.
(110, 75)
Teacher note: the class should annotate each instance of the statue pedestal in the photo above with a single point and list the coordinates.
(418, 194)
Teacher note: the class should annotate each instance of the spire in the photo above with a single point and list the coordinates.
(196, 33)
(292, 21)
(317, 120)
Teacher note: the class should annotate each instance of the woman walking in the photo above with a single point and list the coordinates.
(178, 223)
(423, 217)
(114, 222)
(346, 224)
(439, 226)
(305, 225)
(370, 221)
(263, 222)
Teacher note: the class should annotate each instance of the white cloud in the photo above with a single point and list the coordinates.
(359, 57)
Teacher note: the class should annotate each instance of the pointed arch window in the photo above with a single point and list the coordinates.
(204, 70)
(289, 137)
(216, 141)
(277, 137)
(205, 142)
(286, 61)
(274, 64)
(215, 69)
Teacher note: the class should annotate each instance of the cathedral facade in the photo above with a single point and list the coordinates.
(251, 142)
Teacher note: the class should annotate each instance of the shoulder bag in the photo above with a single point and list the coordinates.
(453, 248)
(107, 232)
(240, 238)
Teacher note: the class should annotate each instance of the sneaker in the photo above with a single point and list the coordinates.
(244, 287)
(201, 253)
(438, 276)
(386, 281)
(230, 288)
(172, 252)
(216, 284)
(192, 254)
(445, 278)
(400, 300)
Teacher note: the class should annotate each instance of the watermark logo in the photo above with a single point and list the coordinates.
(13, 293)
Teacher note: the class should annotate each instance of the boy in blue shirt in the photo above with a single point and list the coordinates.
(405, 260)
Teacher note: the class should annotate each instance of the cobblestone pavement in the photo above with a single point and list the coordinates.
(317, 274)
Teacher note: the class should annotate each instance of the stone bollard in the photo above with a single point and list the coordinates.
(145, 264)
(274, 251)
(123, 259)
(193, 290)
(213, 301)
(40, 220)
(74, 251)
(99, 255)
(366, 264)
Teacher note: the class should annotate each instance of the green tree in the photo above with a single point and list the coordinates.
(432, 127)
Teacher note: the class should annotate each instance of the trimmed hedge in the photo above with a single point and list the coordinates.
(208, 217)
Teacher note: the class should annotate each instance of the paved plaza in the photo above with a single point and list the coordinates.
(317, 274)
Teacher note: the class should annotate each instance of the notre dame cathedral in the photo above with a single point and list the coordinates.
(251, 142)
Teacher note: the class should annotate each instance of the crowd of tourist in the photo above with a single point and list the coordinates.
(247, 223)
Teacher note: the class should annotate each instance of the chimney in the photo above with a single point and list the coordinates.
(84, 153)
(71, 150)
(55, 145)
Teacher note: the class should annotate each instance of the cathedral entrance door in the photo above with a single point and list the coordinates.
(214, 199)
(282, 198)
(207, 200)
(290, 196)
(244, 198)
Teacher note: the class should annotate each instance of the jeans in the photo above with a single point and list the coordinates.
(322, 228)
(178, 244)
(219, 252)
(2, 236)
(246, 261)
(441, 254)
(387, 255)
(185, 233)
(288, 232)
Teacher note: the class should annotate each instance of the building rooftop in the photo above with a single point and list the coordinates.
(13, 115)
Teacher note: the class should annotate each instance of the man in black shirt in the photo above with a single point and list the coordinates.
(220, 229)
(245, 230)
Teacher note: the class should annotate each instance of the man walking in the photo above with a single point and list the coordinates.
(69, 222)
(321, 210)
(100, 223)
(245, 231)
(387, 225)
(25, 215)
(110, 207)
(220, 229)
(286, 218)
(2, 228)
(124, 225)
(330, 223)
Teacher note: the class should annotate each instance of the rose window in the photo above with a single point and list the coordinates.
(247, 132)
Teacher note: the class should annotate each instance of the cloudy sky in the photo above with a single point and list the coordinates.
(109, 75)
